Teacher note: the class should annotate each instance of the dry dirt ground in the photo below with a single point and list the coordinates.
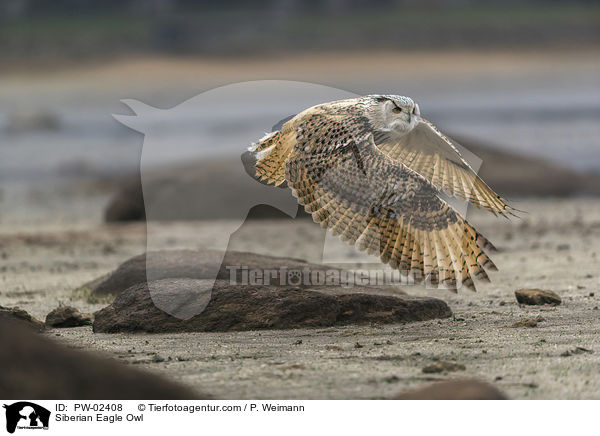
(52, 241)
(47, 254)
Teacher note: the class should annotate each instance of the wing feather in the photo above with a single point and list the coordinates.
(384, 208)
(439, 160)
(384, 196)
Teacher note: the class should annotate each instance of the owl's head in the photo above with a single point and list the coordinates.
(395, 114)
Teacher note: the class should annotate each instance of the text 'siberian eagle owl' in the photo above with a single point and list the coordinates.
(374, 172)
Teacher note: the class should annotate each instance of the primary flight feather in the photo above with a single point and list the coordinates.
(372, 170)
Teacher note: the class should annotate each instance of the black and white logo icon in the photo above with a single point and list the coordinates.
(26, 415)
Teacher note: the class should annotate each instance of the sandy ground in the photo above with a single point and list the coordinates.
(52, 240)
(553, 246)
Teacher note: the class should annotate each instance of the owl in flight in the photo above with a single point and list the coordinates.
(374, 172)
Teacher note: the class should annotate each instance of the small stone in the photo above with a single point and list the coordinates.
(455, 390)
(293, 366)
(392, 379)
(526, 322)
(537, 297)
(575, 351)
(443, 366)
(157, 359)
(67, 316)
(108, 249)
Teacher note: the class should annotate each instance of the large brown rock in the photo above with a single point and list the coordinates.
(193, 264)
(244, 307)
(454, 390)
(36, 367)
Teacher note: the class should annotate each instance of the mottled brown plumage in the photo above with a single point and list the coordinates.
(372, 171)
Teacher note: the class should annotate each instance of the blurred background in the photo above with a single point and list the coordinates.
(515, 81)
(87, 29)
(502, 76)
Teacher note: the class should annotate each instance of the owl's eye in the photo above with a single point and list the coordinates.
(396, 110)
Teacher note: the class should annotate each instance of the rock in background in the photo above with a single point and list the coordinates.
(67, 316)
(170, 189)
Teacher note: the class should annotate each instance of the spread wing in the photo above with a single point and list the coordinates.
(381, 206)
(439, 160)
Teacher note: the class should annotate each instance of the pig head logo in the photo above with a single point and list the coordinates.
(185, 148)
